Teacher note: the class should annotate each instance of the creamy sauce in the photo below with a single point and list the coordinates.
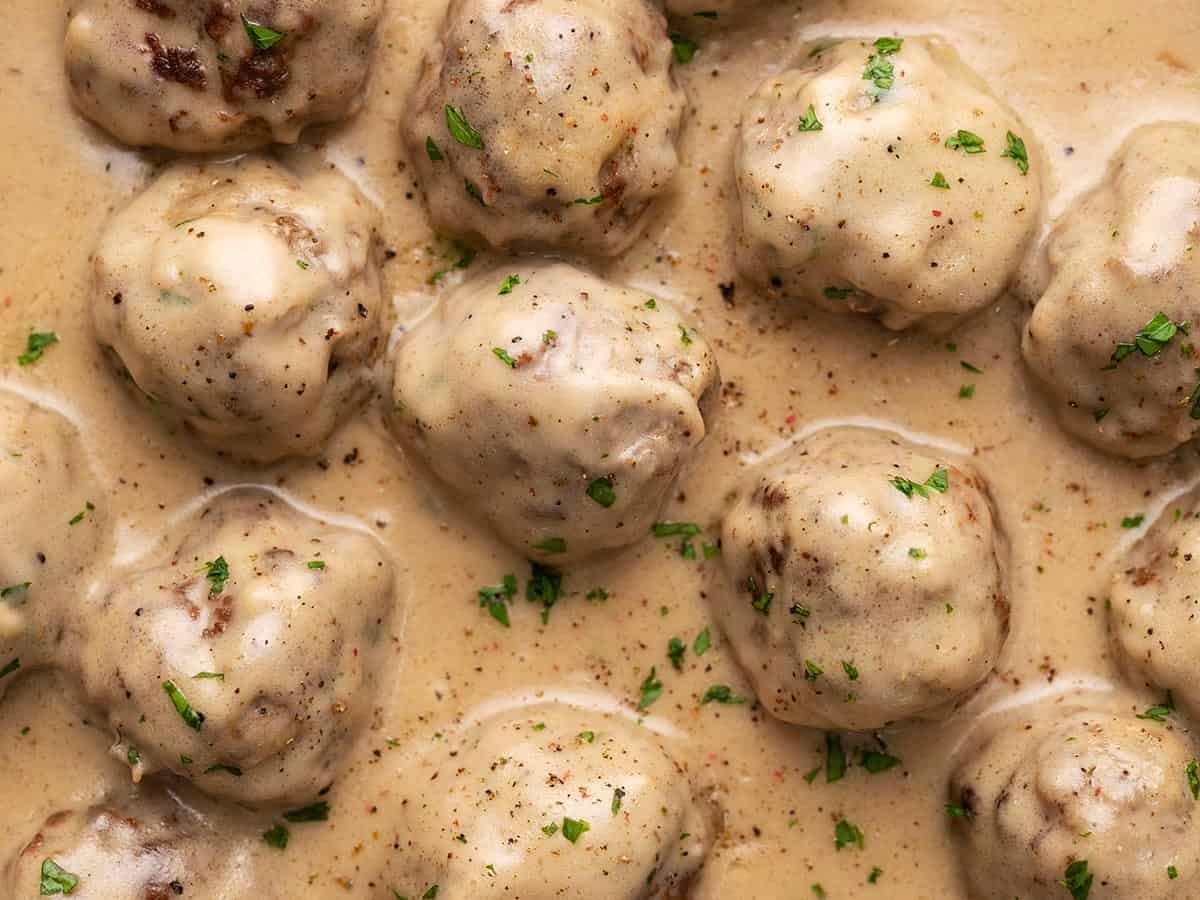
(1081, 76)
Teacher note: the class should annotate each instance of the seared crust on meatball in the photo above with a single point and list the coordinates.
(245, 300)
(51, 532)
(1057, 798)
(546, 124)
(1109, 337)
(874, 180)
(243, 658)
(207, 76)
(545, 802)
(561, 410)
(1155, 604)
(867, 582)
(150, 843)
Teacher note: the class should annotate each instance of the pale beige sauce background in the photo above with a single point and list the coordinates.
(1081, 74)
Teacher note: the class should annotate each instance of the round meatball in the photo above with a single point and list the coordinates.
(1154, 603)
(205, 76)
(1109, 338)
(868, 583)
(50, 534)
(546, 802)
(245, 300)
(546, 124)
(561, 411)
(147, 844)
(883, 179)
(245, 656)
(1060, 798)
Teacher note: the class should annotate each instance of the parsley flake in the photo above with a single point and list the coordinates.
(461, 130)
(809, 121)
(263, 37)
(967, 141)
(35, 347)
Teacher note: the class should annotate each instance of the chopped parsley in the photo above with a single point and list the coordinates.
(967, 141)
(687, 550)
(573, 829)
(1016, 152)
(10, 667)
(1160, 711)
(276, 837)
(673, 529)
(589, 201)
(191, 716)
(1132, 521)
(917, 553)
(544, 587)
(550, 830)
(302, 265)
(685, 48)
(850, 670)
(957, 811)
(35, 347)
(461, 130)
(1078, 880)
(551, 545)
(14, 589)
(1193, 778)
(199, 676)
(880, 72)
(217, 573)
(886, 46)
(263, 37)
(938, 481)
(503, 355)
(710, 550)
(1150, 341)
(721, 693)
(650, 690)
(79, 516)
(1172, 872)
(760, 600)
(432, 150)
(587, 736)
(602, 491)
(970, 367)
(597, 595)
(495, 599)
(684, 337)
(809, 121)
(799, 614)
(874, 876)
(846, 834)
(833, 292)
(875, 761)
(702, 643)
(939, 181)
(675, 651)
(56, 879)
(812, 671)
(618, 796)
(314, 812)
(835, 758)
(966, 392)
(316, 564)
(474, 192)
(132, 756)
(509, 282)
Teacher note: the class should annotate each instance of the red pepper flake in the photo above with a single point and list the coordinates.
(937, 213)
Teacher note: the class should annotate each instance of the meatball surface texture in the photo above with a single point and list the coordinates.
(1109, 337)
(867, 582)
(559, 406)
(207, 76)
(1059, 798)
(549, 801)
(546, 125)
(884, 179)
(244, 299)
(244, 657)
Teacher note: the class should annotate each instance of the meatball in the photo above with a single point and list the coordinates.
(546, 124)
(561, 411)
(245, 300)
(144, 844)
(1061, 798)
(206, 76)
(546, 802)
(51, 532)
(884, 179)
(1154, 603)
(1109, 338)
(868, 583)
(245, 657)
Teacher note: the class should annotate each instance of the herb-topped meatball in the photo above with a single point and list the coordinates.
(867, 582)
(245, 300)
(50, 533)
(1110, 338)
(1066, 802)
(548, 124)
(546, 802)
(141, 844)
(1155, 602)
(206, 76)
(884, 179)
(244, 657)
(559, 406)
